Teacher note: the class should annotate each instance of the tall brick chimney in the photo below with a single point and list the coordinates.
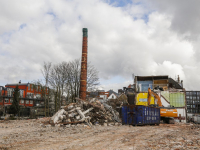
(83, 78)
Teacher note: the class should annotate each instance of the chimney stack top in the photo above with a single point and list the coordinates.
(85, 31)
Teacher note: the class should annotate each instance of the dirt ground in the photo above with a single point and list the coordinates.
(34, 134)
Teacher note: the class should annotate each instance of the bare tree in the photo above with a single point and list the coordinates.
(73, 82)
(92, 77)
(46, 72)
(54, 80)
(64, 78)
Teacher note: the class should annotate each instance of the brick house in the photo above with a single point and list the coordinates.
(30, 94)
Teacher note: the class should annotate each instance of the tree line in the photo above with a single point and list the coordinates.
(64, 80)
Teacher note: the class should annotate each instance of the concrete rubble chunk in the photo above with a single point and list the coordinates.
(91, 112)
(55, 118)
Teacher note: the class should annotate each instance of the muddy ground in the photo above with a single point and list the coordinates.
(34, 134)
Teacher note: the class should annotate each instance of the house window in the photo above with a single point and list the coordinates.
(112, 96)
(10, 92)
(31, 102)
(27, 101)
(194, 97)
(194, 93)
(38, 96)
(28, 86)
(30, 95)
(22, 101)
(11, 100)
(21, 93)
(6, 100)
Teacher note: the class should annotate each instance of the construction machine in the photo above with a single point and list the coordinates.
(167, 114)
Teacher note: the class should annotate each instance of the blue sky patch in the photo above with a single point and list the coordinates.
(120, 3)
(79, 17)
(22, 26)
(52, 14)
(6, 36)
(145, 17)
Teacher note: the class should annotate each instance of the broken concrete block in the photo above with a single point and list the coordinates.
(73, 126)
(78, 117)
(48, 125)
(68, 126)
(55, 118)
(78, 125)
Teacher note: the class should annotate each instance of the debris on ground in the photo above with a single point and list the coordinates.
(93, 112)
(33, 134)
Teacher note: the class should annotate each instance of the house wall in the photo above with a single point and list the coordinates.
(177, 99)
(144, 85)
(23, 100)
(104, 93)
(112, 96)
(164, 96)
(103, 96)
(164, 102)
(160, 83)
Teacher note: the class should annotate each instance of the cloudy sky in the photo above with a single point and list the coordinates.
(144, 37)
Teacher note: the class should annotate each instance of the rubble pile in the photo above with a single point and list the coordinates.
(116, 103)
(93, 112)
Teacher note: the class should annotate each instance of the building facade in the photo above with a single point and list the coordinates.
(30, 94)
(193, 102)
(170, 91)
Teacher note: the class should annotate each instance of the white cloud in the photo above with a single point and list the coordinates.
(120, 40)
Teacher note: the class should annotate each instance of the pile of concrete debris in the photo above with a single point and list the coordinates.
(93, 112)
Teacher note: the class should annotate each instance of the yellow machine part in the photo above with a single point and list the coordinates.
(168, 112)
(142, 99)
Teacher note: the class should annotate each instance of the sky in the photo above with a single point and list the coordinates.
(125, 37)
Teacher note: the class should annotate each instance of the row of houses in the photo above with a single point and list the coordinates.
(30, 94)
(103, 95)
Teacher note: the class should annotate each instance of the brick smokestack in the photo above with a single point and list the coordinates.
(83, 78)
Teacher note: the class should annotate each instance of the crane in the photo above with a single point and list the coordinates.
(167, 114)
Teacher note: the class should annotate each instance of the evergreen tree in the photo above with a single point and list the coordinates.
(15, 108)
